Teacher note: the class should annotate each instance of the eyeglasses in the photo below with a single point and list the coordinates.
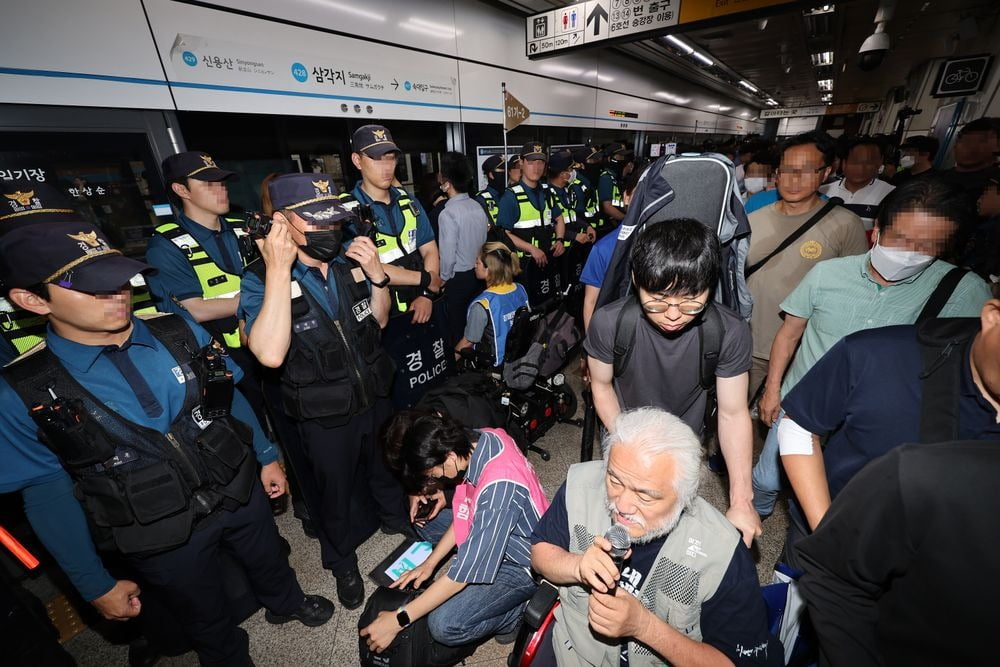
(799, 173)
(687, 307)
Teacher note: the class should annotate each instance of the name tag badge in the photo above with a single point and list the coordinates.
(179, 374)
(305, 325)
(358, 274)
(296, 289)
(547, 216)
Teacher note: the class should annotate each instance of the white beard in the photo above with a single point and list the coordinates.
(654, 532)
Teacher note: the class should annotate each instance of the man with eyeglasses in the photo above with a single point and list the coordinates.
(861, 189)
(675, 266)
(805, 163)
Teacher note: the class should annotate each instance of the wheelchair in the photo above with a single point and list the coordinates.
(547, 400)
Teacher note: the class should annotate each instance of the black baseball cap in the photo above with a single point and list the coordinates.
(561, 161)
(193, 164)
(74, 255)
(534, 150)
(311, 196)
(514, 162)
(373, 141)
(493, 163)
(28, 202)
(588, 152)
(617, 147)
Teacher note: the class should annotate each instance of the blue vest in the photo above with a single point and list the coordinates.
(500, 302)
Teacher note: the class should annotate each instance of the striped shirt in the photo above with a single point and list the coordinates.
(864, 203)
(502, 524)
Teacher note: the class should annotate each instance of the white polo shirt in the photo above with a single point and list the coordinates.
(865, 202)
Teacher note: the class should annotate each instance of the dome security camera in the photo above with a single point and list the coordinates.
(873, 50)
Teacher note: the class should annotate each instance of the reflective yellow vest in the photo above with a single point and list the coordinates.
(533, 225)
(590, 199)
(490, 204)
(215, 283)
(399, 250)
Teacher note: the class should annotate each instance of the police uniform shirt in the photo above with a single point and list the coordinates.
(733, 620)
(865, 202)
(174, 277)
(30, 466)
(389, 218)
(310, 279)
(605, 189)
(509, 212)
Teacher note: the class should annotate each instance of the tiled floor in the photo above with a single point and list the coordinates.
(336, 643)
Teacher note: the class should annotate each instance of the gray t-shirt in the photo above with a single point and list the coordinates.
(664, 370)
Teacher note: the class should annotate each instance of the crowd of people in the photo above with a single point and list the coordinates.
(145, 443)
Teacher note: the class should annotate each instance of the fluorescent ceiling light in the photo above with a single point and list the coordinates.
(676, 99)
(825, 84)
(772, 101)
(822, 9)
(681, 45)
(705, 59)
(824, 58)
(347, 8)
(749, 86)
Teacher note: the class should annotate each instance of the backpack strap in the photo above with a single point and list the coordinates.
(794, 236)
(941, 344)
(710, 344)
(939, 297)
(628, 320)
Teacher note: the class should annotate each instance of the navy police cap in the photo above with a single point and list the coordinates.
(193, 164)
(311, 196)
(28, 202)
(373, 140)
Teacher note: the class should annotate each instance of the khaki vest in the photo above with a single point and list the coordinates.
(687, 572)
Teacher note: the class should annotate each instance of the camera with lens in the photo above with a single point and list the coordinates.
(256, 224)
(364, 224)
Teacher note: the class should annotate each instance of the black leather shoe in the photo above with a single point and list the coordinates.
(141, 653)
(314, 611)
(350, 588)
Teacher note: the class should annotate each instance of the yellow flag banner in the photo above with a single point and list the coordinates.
(514, 113)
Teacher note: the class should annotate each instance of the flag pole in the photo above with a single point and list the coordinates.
(503, 112)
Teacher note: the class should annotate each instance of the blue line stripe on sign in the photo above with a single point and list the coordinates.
(80, 75)
(289, 93)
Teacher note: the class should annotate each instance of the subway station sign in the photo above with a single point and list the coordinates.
(820, 110)
(587, 23)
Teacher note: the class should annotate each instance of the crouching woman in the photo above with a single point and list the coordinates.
(497, 503)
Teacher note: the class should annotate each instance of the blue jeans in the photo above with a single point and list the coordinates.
(767, 472)
(483, 610)
(479, 610)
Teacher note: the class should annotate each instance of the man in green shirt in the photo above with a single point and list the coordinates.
(888, 285)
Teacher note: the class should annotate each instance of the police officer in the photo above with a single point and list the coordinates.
(404, 237)
(562, 173)
(29, 203)
(584, 186)
(609, 190)
(496, 183)
(144, 440)
(335, 374)
(198, 255)
(534, 223)
(513, 170)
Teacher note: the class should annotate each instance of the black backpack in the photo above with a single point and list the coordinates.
(941, 343)
(697, 186)
(413, 646)
(711, 330)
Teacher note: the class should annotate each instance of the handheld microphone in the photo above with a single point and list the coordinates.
(620, 541)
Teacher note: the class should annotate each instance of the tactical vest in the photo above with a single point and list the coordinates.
(586, 201)
(500, 308)
(566, 199)
(687, 571)
(23, 330)
(398, 250)
(143, 491)
(489, 203)
(533, 225)
(616, 200)
(335, 368)
(215, 283)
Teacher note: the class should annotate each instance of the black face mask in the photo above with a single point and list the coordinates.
(323, 245)
(593, 173)
(452, 481)
(498, 182)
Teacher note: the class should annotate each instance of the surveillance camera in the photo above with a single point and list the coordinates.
(873, 51)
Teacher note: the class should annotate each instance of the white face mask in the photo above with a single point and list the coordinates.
(895, 264)
(907, 161)
(572, 175)
(754, 184)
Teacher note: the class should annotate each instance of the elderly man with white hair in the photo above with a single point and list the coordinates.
(687, 592)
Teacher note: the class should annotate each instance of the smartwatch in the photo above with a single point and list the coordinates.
(402, 617)
(385, 281)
